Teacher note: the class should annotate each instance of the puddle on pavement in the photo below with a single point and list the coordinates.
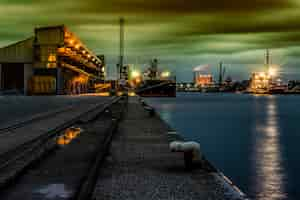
(69, 135)
(54, 191)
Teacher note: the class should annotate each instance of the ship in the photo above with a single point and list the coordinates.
(153, 84)
(157, 84)
(267, 82)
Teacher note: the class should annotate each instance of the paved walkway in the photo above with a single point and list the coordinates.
(141, 165)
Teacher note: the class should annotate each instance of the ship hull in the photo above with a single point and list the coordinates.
(158, 89)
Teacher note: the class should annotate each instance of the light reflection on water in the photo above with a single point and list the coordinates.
(268, 181)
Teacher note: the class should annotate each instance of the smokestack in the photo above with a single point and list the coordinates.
(267, 58)
(221, 74)
(122, 21)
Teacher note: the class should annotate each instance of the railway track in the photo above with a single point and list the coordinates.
(33, 119)
(15, 161)
(87, 185)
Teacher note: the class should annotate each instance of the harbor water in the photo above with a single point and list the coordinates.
(253, 140)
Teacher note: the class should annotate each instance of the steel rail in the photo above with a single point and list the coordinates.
(35, 118)
(87, 186)
(34, 145)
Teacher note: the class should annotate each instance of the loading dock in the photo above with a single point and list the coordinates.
(53, 51)
(12, 76)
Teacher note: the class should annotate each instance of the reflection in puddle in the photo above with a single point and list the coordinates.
(69, 134)
(53, 191)
(267, 158)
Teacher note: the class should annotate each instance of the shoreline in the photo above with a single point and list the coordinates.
(235, 191)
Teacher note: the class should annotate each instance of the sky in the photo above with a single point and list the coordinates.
(182, 34)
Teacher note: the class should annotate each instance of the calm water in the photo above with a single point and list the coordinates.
(254, 140)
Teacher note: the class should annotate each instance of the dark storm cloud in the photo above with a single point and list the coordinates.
(241, 24)
(177, 31)
(187, 6)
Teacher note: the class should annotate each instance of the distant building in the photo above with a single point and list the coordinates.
(54, 60)
(203, 79)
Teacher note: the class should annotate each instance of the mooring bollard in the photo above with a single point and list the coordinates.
(150, 110)
(191, 151)
(143, 102)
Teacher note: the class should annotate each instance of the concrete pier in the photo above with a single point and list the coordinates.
(141, 166)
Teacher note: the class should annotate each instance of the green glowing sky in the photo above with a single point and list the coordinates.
(181, 33)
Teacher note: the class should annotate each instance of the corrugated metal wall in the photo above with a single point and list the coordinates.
(47, 41)
(21, 52)
(50, 35)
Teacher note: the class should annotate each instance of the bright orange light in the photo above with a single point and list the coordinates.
(104, 94)
(71, 41)
(77, 46)
(69, 135)
(61, 50)
(62, 140)
(52, 58)
(80, 79)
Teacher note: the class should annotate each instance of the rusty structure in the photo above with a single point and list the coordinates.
(53, 61)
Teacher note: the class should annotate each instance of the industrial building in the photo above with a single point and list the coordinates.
(53, 61)
(204, 80)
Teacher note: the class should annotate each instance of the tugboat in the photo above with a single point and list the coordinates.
(157, 84)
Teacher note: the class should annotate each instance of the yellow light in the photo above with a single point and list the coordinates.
(165, 74)
(103, 69)
(262, 74)
(88, 55)
(52, 58)
(135, 74)
(71, 41)
(104, 94)
(131, 94)
(272, 71)
(77, 46)
(83, 51)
